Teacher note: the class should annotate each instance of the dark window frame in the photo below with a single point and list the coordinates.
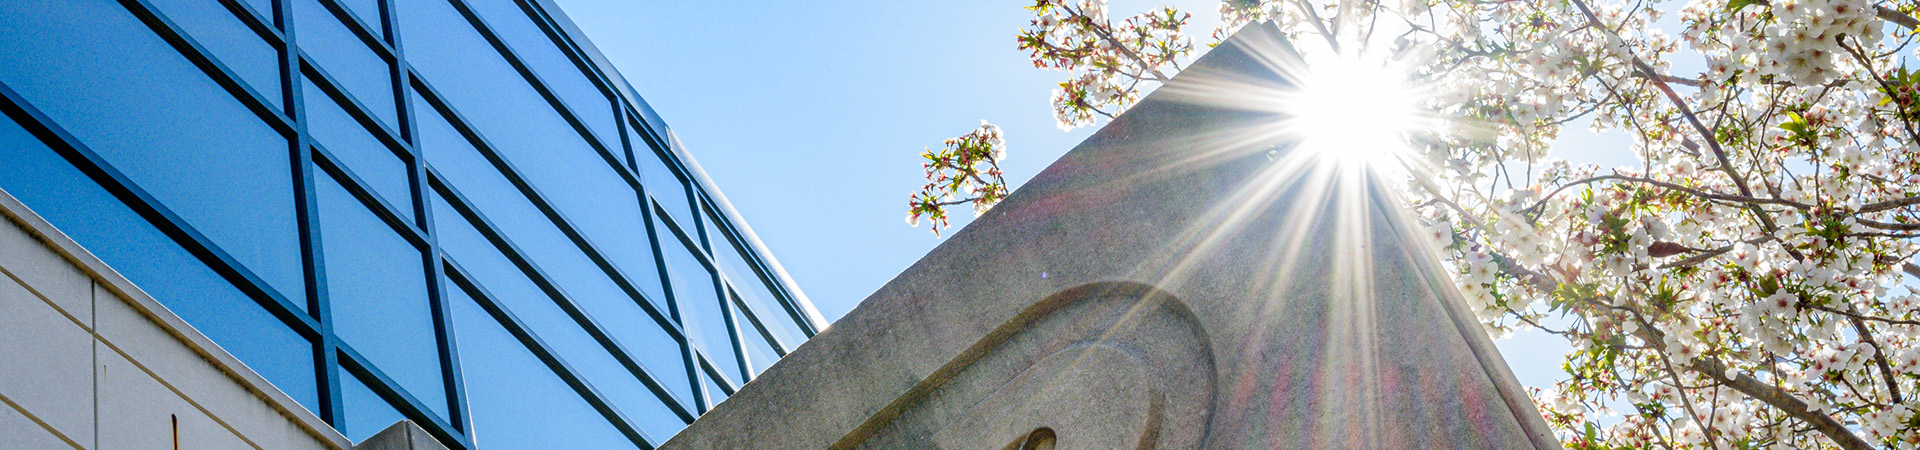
(282, 108)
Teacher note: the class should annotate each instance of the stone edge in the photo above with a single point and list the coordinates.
(110, 279)
(1424, 258)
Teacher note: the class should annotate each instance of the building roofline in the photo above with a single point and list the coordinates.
(664, 134)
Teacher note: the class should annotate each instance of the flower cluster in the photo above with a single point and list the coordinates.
(1740, 286)
(1804, 40)
(1107, 60)
(966, 170)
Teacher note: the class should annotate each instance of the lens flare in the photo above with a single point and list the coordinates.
(1329, 131)
(1353, 108)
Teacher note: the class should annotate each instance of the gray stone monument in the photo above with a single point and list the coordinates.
(1179, 280)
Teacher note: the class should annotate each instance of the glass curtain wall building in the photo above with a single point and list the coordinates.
(448, 211)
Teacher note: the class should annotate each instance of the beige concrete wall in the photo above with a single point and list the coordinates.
(87, 361)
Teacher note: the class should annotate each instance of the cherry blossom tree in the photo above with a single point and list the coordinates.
(1748, 284)
(966, 171)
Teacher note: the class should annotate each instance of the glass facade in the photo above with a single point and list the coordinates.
(439, 210)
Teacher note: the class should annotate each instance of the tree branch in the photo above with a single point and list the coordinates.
(1319, 25)
(1884, 13)
(1890, 15)
(1781, 399)
(1858, 316)
(1890, 204)
(1879, 358)
(1712, 368)
(1888, 225)
(1860, 55)
(1680, 104)
(1710, 253)
(1670, 79)
(1704, 194)
(1101, 29)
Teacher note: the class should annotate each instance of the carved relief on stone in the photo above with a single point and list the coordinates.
(1110, 365)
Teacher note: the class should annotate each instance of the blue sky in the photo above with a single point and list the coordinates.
(810, 117)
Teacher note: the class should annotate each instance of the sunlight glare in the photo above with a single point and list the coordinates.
(1339, 131)
(1353, 109)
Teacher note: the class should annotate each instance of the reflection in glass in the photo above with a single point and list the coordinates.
(367, 11)
(760, 353)
(527, 132)
(346, 58)
(568, 205)
(79, 207)
(365, 412)
(552, 65)
(516, 400)
(664, 184)
(701, 313)
(753, 291)
(367, 157)
(216, 29)
(377, 292)
(104, 76)
(535, 309)
(714, 394)
(262, 9)
(556, 256)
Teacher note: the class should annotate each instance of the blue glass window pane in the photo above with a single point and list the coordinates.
(664, 184)
(368, 11)
(262, 9)
(377, 291)
(526, 131)
(700, 309)
(714, 394)
(763, 304)
(660, 355)
(648, 277)
(503, 204)
(366, 413)
(516, 401)
(760, 353)
(634, 142)
(355, 146)
(751, 287)
(104, 76)
(216, 29)
(346, 58)
(72, 202)
(709, 228)
(552, 65)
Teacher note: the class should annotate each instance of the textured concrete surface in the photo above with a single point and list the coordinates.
(1182, 279)
(88, 361)
(48, 361)
(402, 435)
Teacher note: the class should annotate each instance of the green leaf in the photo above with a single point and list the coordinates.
(1798, 126)
(1735, 5)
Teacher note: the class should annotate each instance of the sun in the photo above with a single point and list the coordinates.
(1353, 108)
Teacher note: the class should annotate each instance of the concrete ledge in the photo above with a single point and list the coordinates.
(402, 435)
(259, 430)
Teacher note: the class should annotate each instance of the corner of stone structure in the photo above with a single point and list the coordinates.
(1136, 294)
(402, 435)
